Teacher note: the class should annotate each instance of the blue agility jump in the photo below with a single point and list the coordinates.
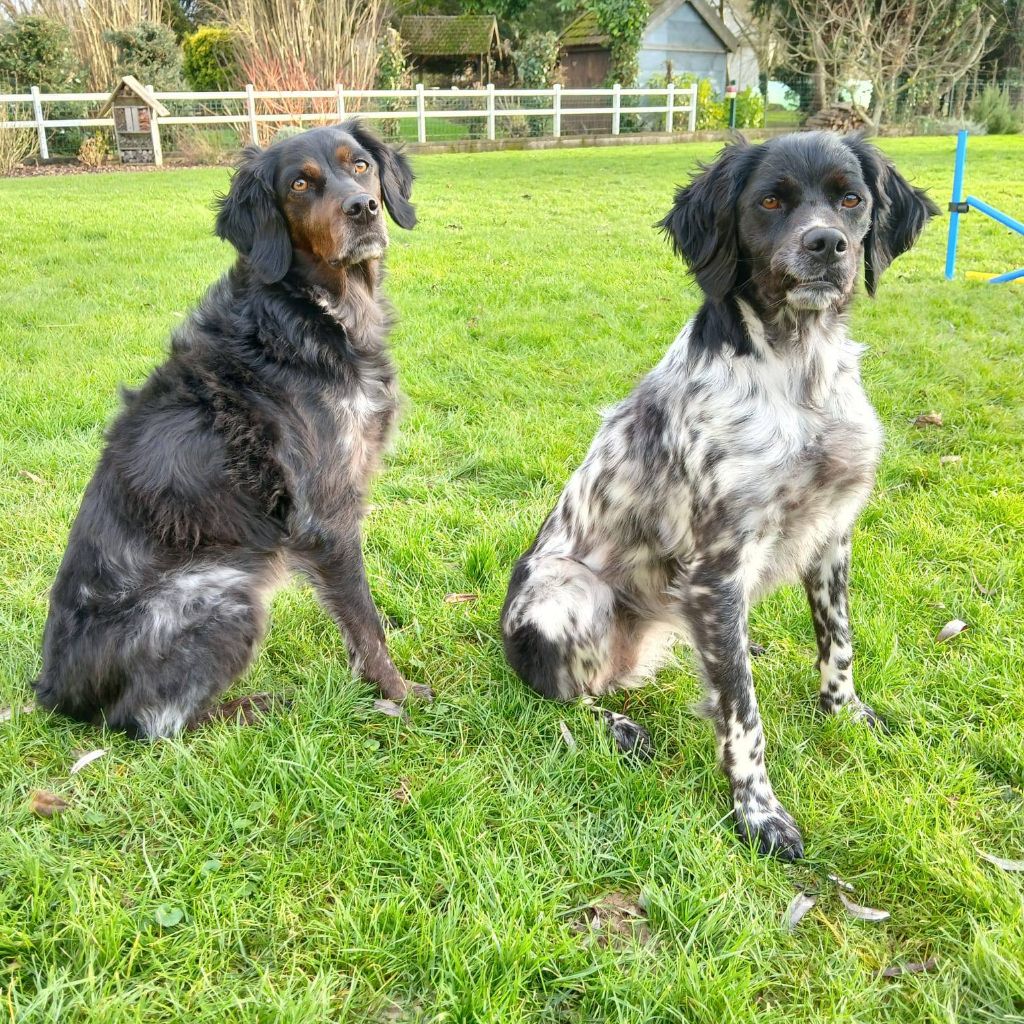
(959, 205)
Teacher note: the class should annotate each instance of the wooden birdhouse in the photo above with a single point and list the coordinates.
(136, 112)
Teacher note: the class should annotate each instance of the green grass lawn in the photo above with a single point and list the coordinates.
(333, 865)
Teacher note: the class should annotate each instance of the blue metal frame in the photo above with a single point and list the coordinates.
(959, 205)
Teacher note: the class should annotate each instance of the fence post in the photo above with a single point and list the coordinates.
(250, 106)
(616, 107)
(421, 120)
(670, 105)
(341, 101)
(693, 107)
(154, 132)
(37, 110)
(490, 111)
(557, 125)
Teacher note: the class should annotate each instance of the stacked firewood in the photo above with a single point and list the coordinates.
(840, 117)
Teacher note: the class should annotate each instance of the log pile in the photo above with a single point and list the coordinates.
(840, 117)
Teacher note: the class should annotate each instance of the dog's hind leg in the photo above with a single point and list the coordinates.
(194, 636)
(168, 691)
(567, 636)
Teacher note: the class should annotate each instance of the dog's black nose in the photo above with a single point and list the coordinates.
(361, 207)
(825, 243)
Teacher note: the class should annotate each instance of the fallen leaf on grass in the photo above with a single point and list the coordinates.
(897, 969)
(1001, 862)
(798, 907)
(6, 714)
(949, 460)
(390, 708)
(86, 759)
(34, 477)
(614, 921)
(459, 598)
(167, 916)
(950, 630)
(929, 419)
(863, 913)
(570, 740)
(403, 794)
(46, 804)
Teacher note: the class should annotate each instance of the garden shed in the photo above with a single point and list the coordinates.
(441, 46)
(687, 33)
(135, 111)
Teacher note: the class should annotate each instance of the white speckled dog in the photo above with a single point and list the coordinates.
(739, 463)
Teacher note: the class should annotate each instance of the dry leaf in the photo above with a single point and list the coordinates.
(615, 920)
(863, 913)
(35, 478)
(570, 740)
(403, 794)
(459, 598)
(950, 630)
(798, 907)
(6, 714)
(949, 460)
(1002, 862)
(45, 804)
(86, 759)
(897, 969)
(390, 708)
(929, 419)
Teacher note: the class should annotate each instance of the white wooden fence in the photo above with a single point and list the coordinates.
(372, 104)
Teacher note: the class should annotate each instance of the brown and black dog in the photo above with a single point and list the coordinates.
(246, 455)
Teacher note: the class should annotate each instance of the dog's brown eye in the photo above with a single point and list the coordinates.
(300, 185)
(361, 166)
(850, 200)
(771, 202)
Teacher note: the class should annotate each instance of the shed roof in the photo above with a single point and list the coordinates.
(439, 35)
(585, 31)
(133, 85)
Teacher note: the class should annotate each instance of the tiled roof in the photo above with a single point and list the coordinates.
(584, 31)
(439, 35)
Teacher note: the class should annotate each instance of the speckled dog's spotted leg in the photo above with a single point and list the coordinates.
(718, 626)
(826, 584)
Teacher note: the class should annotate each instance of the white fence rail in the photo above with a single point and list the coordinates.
(488, 104)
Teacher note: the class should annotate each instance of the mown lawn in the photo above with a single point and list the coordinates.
(333, 865)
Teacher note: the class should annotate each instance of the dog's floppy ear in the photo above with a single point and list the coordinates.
(396, 175)
(248, 217)
(702, 222)
(899, 211)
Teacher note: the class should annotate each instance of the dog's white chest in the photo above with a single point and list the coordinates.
(817, 468)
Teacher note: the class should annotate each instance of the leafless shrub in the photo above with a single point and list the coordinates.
(16, 144)
(319, 43)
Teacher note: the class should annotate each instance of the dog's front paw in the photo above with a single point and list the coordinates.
(773, 830)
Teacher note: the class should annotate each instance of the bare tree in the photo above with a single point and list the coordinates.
(922, 45)
(899, 46)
